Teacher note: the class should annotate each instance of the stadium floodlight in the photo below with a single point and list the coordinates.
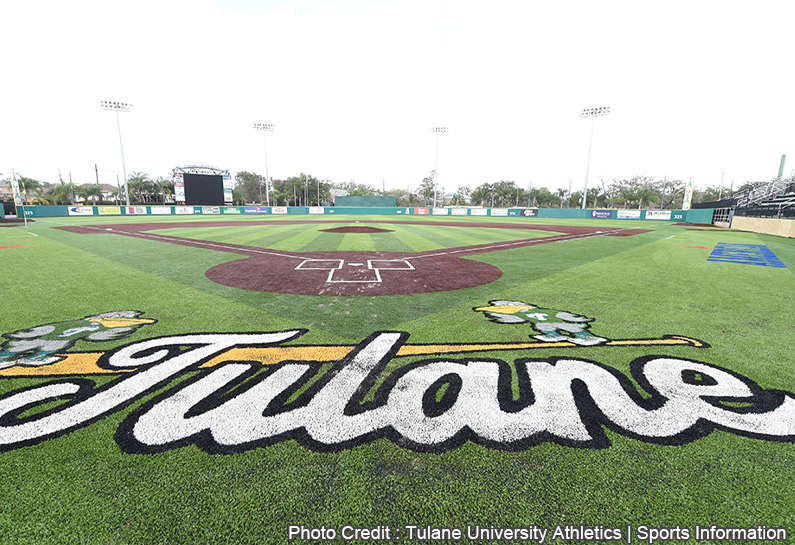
(593, 113)
(119, 107)
(265, 128)
(437, 131)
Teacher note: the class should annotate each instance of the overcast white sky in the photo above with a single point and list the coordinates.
(695, 88)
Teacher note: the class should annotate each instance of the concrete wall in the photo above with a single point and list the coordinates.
(770, 226)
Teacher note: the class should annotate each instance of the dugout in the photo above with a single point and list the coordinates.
(366, 202)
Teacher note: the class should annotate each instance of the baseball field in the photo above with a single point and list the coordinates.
(172, 380)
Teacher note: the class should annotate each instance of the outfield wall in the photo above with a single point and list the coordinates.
(703, 216)
(770, 226)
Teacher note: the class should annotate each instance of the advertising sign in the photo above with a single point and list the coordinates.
(135, 210)
(81, 211)
(688, 194)
(160, 210)
(231, 210)
(478, 212)
(183, 210)
(211, 209)
(109, 210)
(628, 214)
(179, 188)
(15, 189)
(255, 210)
(316, 210)
(458, 211)
(529, 212)
(423, 211)
(658, 214)
(279, 210)
(499, 211)
(440, 212)
(602, 214)
(228, 188)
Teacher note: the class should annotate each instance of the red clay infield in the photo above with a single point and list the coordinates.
(354, 273)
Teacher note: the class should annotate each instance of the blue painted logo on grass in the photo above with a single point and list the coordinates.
(749, 254)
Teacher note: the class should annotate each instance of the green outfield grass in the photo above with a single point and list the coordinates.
(89, 486)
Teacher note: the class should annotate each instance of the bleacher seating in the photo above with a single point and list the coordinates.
(774, 199)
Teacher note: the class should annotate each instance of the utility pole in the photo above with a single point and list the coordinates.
(96, 172)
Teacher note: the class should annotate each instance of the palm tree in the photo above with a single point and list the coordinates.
(504, 190)
(93, 192)
(56, 194)
(166, 187)
(136, 183)
(544, 196)
(560, 194)
(29, 186)
(480, 195)
(117, 194)
(647, 194)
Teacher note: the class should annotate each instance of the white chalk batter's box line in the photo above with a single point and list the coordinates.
(333, 265)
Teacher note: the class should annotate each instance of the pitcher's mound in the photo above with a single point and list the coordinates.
(357, 229)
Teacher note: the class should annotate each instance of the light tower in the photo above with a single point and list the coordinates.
(437, 131)
(265, 128)
(119, 107)
(593, 113)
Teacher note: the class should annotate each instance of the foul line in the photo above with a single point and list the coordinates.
(248, 250)
(518, 243)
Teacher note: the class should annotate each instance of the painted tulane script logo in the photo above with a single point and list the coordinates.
(251, 390)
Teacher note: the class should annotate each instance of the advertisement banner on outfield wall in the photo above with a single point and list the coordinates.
(316, 210)
(499, 211)
(421, 211)
(228, 188)
(458, 211)
(179, 188)
(135, 210)
(109, 210)
(440, 212)
(81, 211)
(160, 210)
(279, 210)
(231, 210)
(478, 212)
(530, 212)
(628, 214)
(183, 210)
(211, 210)
(255, 210)
(602, 214)
(658, 214)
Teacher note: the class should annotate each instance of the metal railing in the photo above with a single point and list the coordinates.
(764, 190)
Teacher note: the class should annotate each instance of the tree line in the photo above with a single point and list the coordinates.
(142, 189)
(640, 191)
